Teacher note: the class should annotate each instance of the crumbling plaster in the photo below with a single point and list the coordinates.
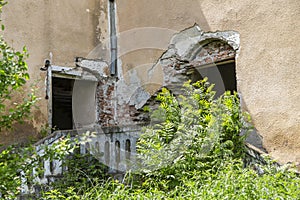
(184, 47)
(267, 64)
(59, 30)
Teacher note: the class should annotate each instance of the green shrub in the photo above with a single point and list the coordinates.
(17, 163)
(197, 132)
(83, 172)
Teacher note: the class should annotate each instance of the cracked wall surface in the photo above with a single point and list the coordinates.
(266, 63)
(187, 50)
(63, 28)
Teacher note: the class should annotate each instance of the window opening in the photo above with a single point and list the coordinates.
(62, 116)
(223, 75)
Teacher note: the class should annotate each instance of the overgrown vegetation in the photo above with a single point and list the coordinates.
(194, 152)
(17, 165)
(197, 132)
(13, 76)
(84, 172)
(14, 162)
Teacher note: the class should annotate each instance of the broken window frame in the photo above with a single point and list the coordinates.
(67, 73)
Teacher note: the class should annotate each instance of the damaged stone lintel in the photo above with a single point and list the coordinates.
(99, 68)
(186, 46)
(187, 42)
(94, 70)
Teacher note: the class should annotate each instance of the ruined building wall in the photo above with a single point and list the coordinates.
(267, 62)
(64, 28)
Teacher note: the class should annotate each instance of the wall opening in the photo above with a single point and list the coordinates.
(223, 75)
(52, 166)
(117, 154)
(62, 115)
(215, 59)
(72, 103)
(107, 153)
(97, 147)
(127, 149)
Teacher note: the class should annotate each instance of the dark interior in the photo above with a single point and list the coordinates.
(228, 74)
(62, 117)
(226, 71)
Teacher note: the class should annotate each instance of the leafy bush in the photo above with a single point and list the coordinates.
(13, 76)
(17, 165)
(197, 132)
(83, 172)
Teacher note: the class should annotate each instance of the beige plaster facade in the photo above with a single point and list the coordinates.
(267, 61)
(59, 30)
(267, 64)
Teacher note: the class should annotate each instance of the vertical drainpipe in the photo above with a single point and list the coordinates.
(113, 52)
(113, 39)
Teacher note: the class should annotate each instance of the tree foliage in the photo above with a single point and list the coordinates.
(20, 166)
(13, 76)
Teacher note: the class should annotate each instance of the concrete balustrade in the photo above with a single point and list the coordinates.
(115, 147)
